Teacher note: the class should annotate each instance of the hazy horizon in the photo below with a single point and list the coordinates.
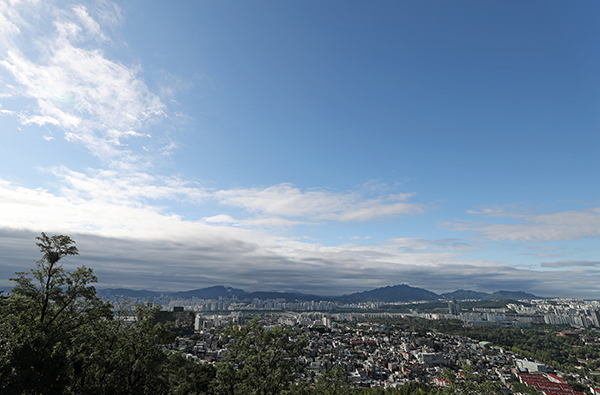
(317, 146)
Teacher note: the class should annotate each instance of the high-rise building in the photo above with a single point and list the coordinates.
(595, 316)
(453, 307)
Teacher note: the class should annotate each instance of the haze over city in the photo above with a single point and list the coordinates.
(322, 147)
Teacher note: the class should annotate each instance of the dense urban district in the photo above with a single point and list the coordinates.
(58, 335)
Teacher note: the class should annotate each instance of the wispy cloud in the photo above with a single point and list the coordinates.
(541, 248)
(419, 244)
(39, 120)
(541, 255)
(93, 28)
(265, 222)
(279, 206)
(557, 226)
(507, 211)
(34, 209)
(98, 102)
(561, 264)
(220, 219)
(10, 19)
(289, 201)
(133, 188)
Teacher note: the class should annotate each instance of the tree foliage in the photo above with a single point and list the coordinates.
(334, 382)
(470, 384)
(58, 337)
(43, 320)
(259, 361)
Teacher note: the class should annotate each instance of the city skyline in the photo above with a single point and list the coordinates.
(320, 147)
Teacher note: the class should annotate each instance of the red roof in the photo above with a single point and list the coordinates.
(547, 387)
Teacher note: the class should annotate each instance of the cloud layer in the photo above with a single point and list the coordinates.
(57, 76)
(557, 226)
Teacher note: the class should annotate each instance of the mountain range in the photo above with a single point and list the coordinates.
(389, 294)
(462, 294)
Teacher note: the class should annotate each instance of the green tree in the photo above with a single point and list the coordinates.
(259, 361)
(186, 377)
(471, 384)
(43, 318)
(58, 337)
(121, 355)
(334, 382)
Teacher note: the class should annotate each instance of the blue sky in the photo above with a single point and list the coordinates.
(318, 146)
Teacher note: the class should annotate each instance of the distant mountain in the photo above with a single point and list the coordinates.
(209, 293)
(504, 295)
(129, 293)
(462, 294)
(390, 294)
(288, 296)
(203, 293)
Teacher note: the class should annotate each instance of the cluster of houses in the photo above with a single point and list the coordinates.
(385, 357)
(375, 356)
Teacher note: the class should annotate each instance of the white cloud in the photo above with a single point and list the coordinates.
(220, 219)
(35, 209)
(39, 120)
(135, 245)
(541, 248)
(419, 244)
(499, 212)
(289, 201)
(410, 243)
(169, 149)
(111, 208)
(126, 189)
(100, 215)
(90, 24)
(272, 222)
(283, 199)
(137, 188)
(374, 208)
(557, 226)
(9, 24)
(540, 255)
(562, 264)
(96, 101)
